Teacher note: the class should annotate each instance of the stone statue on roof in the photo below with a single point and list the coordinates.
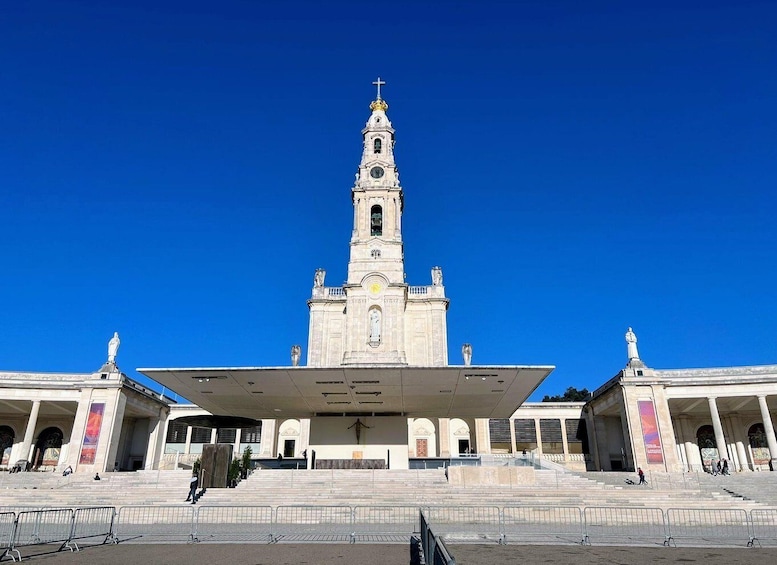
(466, 353)
(296, 351)
(113, 347)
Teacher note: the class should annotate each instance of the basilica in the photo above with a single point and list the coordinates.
(378, 390)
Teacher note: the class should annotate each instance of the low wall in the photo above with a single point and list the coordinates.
(467, 476)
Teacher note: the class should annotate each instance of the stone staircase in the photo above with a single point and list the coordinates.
(389, 487)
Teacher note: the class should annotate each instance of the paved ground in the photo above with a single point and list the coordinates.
(395, 554)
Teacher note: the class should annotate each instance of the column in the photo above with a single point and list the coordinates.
(679, 443)
(187, 448)
(29, 432)
(692, 455)
(591, 432)
(238, 453)
(771, 441)
(718, 428)
(741, 440)
(538, 436)
(268, 438)
(513, 447)
(564, 443)
(213, 435)
(154, 430)
(444, 437)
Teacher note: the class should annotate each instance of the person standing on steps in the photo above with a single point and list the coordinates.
(193, 482)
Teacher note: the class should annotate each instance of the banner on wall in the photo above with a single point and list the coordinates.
(92, 433)
(647, 417)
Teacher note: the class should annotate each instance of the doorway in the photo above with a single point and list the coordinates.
(288, 447)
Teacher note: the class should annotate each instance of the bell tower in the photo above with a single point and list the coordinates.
(376, 241)
(376, 318)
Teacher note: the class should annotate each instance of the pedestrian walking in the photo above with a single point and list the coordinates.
(193, 482)
(641, 474)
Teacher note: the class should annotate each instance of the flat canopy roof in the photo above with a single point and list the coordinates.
(305, 392)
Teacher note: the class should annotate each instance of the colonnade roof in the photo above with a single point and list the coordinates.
(305, 392)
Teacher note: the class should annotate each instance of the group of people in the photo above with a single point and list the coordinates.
(719, 467)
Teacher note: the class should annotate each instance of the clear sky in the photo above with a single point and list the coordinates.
(176, 171)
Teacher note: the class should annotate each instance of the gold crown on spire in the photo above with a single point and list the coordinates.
(379, 104)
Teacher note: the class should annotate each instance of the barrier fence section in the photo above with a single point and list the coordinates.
(313, 523)
(435, 552)
(143, 523)
(7, 524)
(618, 525)
(538, 524)
(385, 523)
(764, 523)
(92, 522)
(466, 523)
(233, 523)
(36, 527)
(719, 526)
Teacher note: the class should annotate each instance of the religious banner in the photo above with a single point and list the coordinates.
(92, 433)
(647, 417)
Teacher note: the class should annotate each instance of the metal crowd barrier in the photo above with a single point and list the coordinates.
(466, 523)
(764, 524)
(172, 523)
(435, 552)
(233, 523)
(720, 526)
(35, 527)
(625, 525)
(528, 524)
(385, 523)
(543, 523)
(7, 523)
(92, 522)
(313, 523)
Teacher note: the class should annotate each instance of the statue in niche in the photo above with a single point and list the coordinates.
(466, 353)
(113, 347)
(358, 425)
(318, 279)
(436, 276)
(374, 325)
(296, 351)
(631, 347)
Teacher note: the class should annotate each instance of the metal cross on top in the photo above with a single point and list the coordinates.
(378, 83)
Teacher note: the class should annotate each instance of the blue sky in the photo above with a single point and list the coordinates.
(176, 171)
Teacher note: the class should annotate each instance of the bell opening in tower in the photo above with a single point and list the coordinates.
(376, 221)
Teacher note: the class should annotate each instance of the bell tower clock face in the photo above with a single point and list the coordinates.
(376, 172)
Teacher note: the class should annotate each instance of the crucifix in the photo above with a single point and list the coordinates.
(378, 83)
(358, 424)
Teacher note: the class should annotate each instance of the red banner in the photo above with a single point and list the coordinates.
(647, 417)
(92, 433)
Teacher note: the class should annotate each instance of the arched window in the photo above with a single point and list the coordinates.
(705, 438)
(47, 448)
(6, 443)
(377, 145)
(376, 220)
(757, 436)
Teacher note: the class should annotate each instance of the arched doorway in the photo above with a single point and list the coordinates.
(288, 438)
(708, 448)
(7, 436)
(424, 438)
(759, 448)
(47, 448)
(460, 438)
